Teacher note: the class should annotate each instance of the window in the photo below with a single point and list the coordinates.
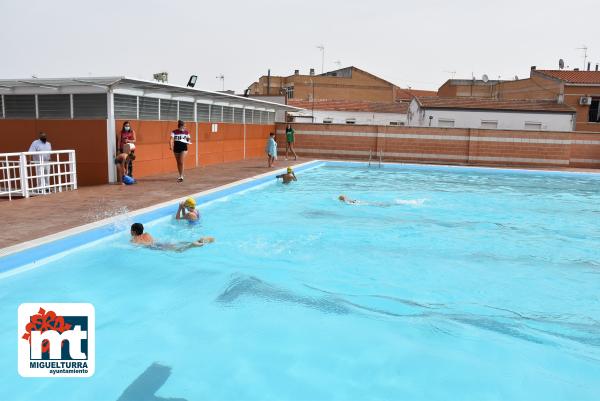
(489, 124)
(533, 125)
(54, 106)
(328, 120)
(216, 113)
(290, 92)
(168, 110)
(228, 114)
(186, 111)
(396, 123)
(351, 121)
(203, 112)
(148, 108)
(19, 106)
(594, 116)
(248, 116)
(126, 107)
(91, 105)
(238, 115)
(445, 123)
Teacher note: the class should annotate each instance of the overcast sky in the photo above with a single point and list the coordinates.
(410, 43)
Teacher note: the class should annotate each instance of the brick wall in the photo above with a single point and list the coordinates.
(447, 145)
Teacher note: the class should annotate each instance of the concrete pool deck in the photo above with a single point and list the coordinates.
(36, 217)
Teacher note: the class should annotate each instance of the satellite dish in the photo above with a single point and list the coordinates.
(561, 64)
(485, 78)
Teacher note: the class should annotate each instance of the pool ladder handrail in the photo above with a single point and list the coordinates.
(379, 153)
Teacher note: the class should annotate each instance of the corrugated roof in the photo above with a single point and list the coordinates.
(573, 77)
(351, 105)
(103, 84)
(493, 104)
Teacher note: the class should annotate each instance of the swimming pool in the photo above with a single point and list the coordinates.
(441, 284)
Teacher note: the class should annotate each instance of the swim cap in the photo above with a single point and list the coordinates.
(289, 170)
(190, 202)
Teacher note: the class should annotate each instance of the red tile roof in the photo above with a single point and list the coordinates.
(493, 104)
(408, 94)
(573, 77)
(351, 105)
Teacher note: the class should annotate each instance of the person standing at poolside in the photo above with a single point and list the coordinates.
(180, 139)
(289, 141)
(42, 168)
(187, 211)
(127, 137)
(271, 150)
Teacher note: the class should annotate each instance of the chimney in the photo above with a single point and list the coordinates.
(269, 82)
(296, 72)
(533, 68)
(597, 66)
(312, 71)
(589, 66)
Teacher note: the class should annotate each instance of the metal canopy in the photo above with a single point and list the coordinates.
(119, 84)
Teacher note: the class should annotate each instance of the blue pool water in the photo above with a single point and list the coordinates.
(441, 284)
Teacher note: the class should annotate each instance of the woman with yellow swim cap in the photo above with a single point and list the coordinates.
(187, 211)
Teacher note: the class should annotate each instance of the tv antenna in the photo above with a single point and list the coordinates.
(338, 63)
(322, 48)
(561, 64)
(585, 49)
(222, 78)
(485, 78)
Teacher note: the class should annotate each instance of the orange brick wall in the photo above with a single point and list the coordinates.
(227, 144)
(447, 145)
(86, 137)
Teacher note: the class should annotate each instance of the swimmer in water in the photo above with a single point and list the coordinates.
(343, 198)
(139, 237)
(288, 177)
(187, 211)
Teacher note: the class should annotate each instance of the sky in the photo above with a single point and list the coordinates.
(414, 44)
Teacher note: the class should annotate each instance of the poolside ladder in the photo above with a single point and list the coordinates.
(370, 156)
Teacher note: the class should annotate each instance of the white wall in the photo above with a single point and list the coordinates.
(509, 120)
(340, 117)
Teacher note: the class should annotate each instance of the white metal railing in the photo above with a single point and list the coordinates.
(37, 173)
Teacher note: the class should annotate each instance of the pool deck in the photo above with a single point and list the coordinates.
(36, 217)
(29, 219)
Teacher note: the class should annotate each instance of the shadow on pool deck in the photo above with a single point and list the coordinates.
(27, 219)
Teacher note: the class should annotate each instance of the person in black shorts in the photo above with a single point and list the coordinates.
(180, 138)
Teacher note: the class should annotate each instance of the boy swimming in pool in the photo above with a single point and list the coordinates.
(187, 211)
(349, 201)
(139, 237)
(288, 177)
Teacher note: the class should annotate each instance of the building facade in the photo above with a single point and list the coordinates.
(480, 113)
(348, 83)
(349, 112)
(86, 114)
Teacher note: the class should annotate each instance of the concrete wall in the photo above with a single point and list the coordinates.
(340, 117)
(508, 120)
(86, 137)
(447, 145)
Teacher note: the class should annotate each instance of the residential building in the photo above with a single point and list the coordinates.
(485, 113)
(348, 112)
(350, 83)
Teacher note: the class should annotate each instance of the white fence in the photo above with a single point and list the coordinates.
(27, 174)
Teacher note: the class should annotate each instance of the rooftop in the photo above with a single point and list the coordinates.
(351, 105)
(573, 77)
(121, 84)
(493, 104)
